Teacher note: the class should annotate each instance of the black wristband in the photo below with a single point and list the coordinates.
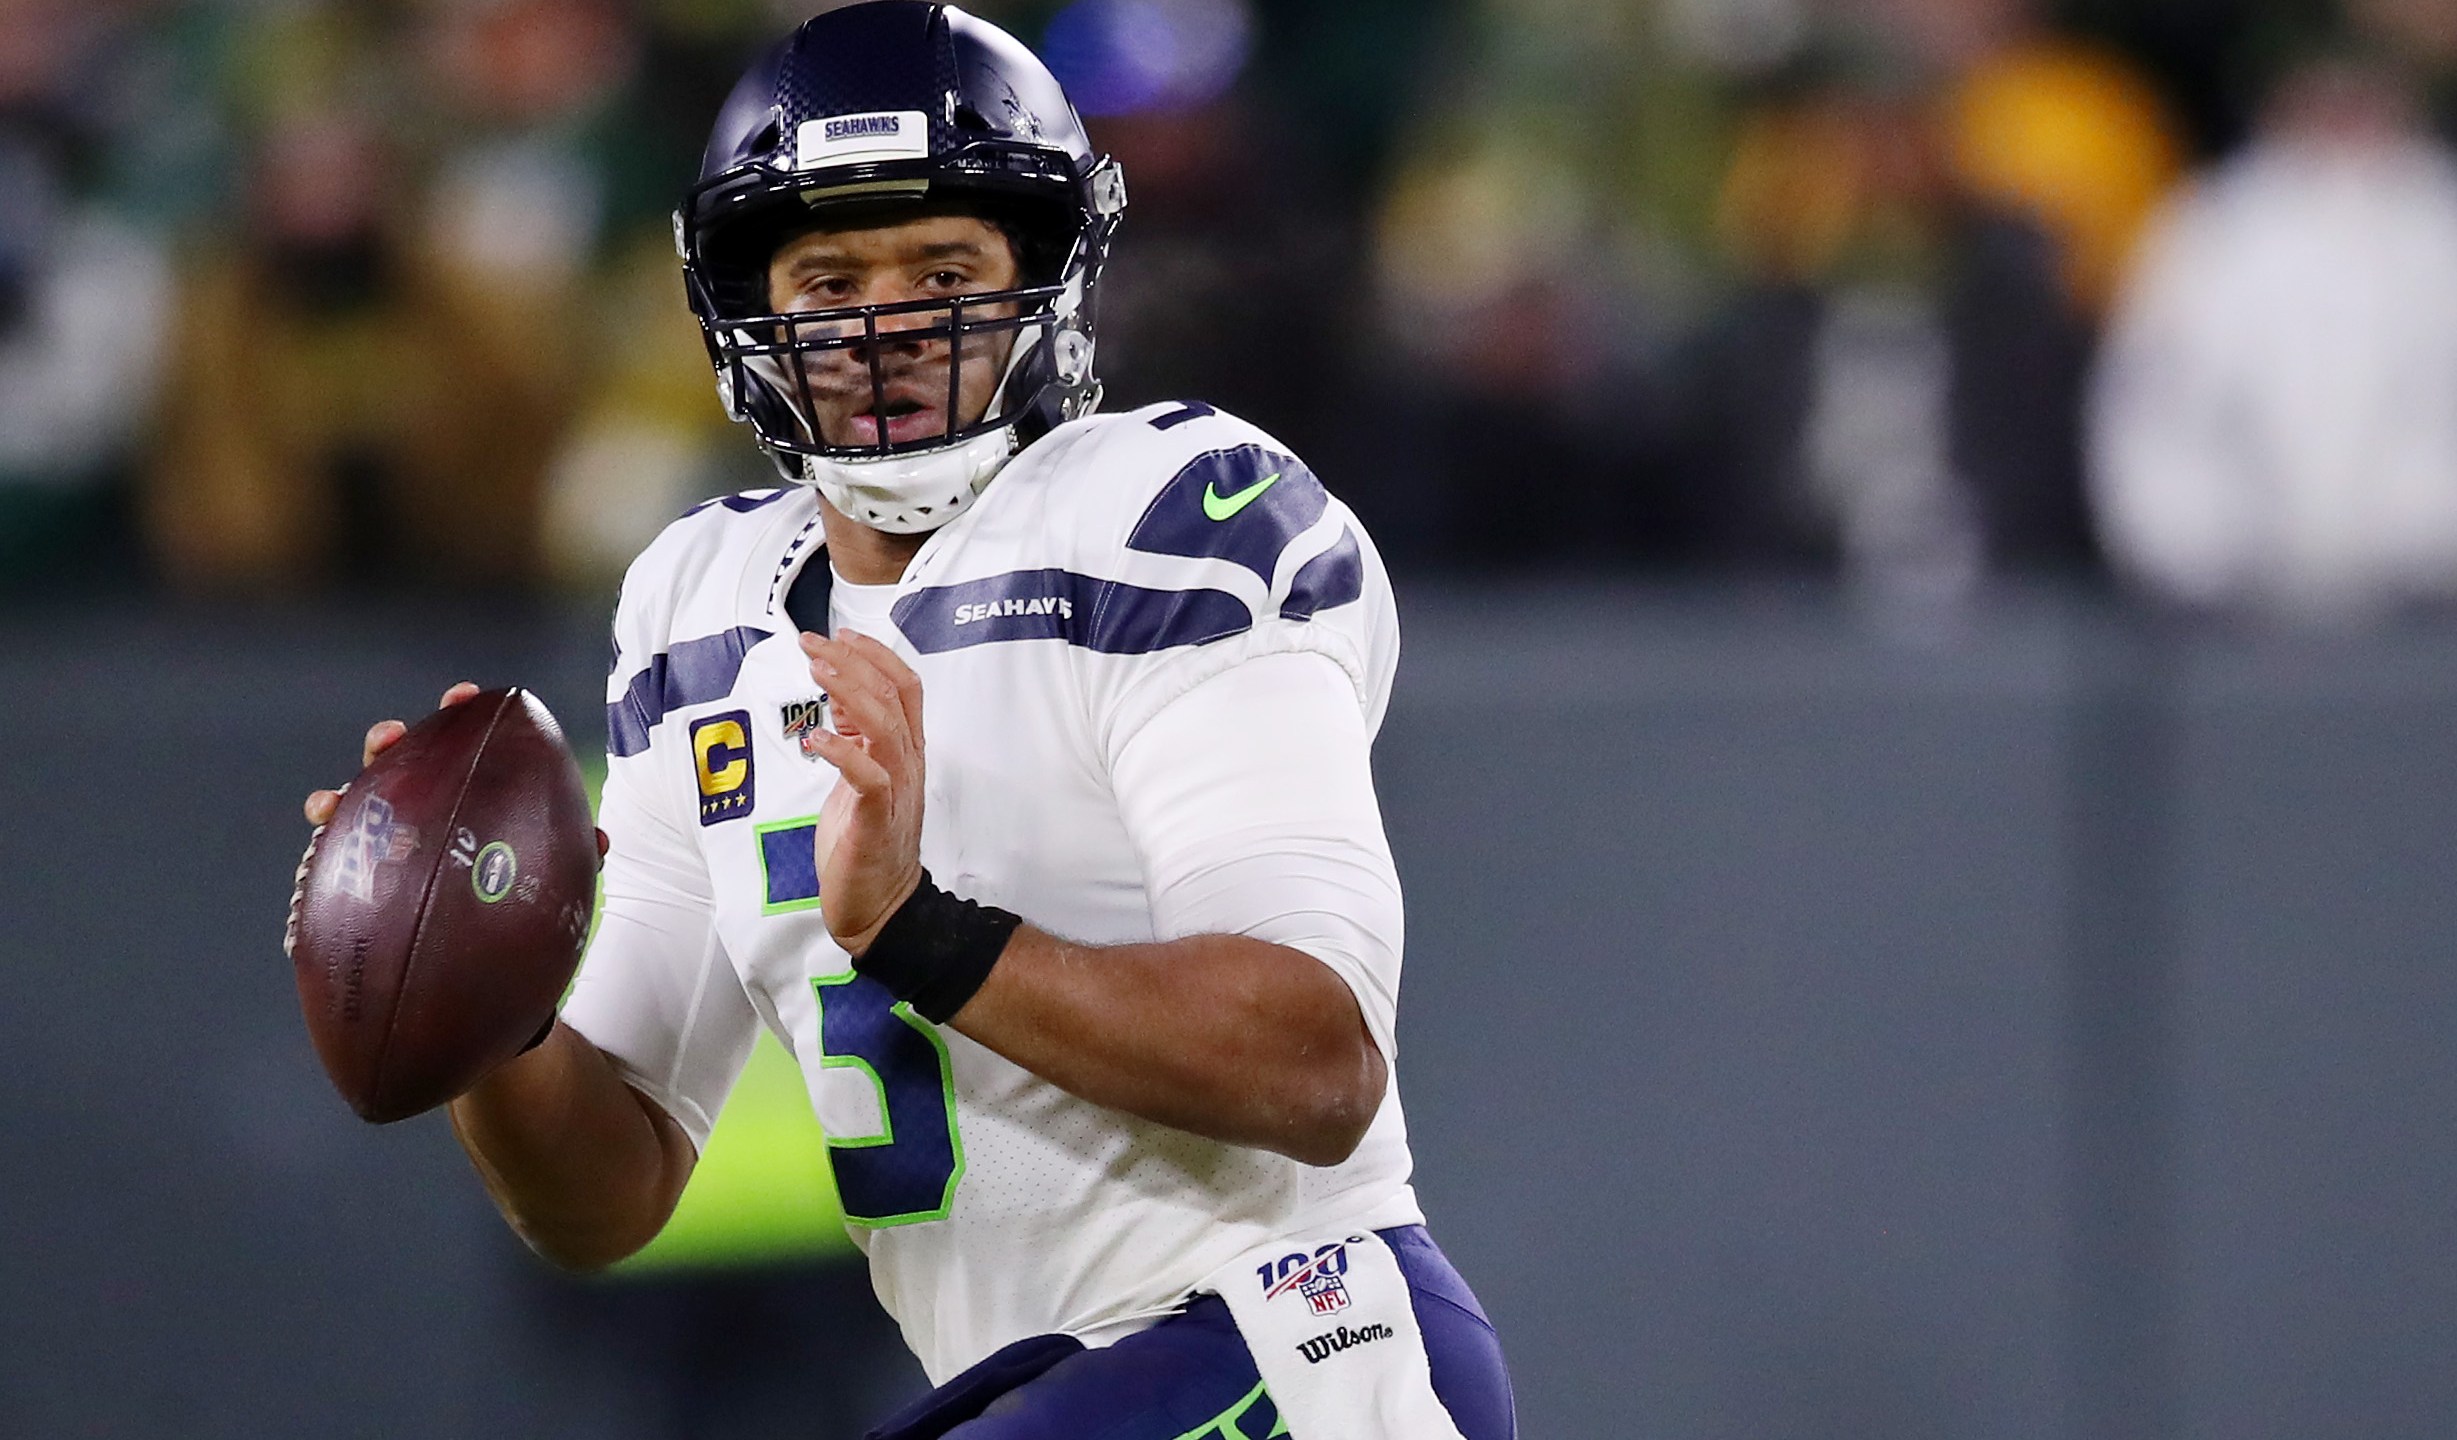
(935, 951)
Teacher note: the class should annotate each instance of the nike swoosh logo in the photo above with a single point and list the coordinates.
(1217, 506)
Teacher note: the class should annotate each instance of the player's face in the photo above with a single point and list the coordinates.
(932, 257)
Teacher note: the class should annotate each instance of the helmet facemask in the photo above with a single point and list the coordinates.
(827, 390)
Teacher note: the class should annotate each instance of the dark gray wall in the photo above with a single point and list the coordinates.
(2036, 1026)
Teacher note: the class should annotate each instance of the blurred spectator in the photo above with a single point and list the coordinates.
(1231, 286)
(2423, 35)
(1588, 262)
(380, 364)
(1228, 284)
(310, 431)
(2072, 138)
(1629, 282)
(2276, 417)
(1528, 262)
(1896, 388)
(556, 160)
(649, 438)
(82, 303)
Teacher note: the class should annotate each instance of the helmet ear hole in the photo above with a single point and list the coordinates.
(1074, 356)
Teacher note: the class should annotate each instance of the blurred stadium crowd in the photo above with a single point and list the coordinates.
(298, 295)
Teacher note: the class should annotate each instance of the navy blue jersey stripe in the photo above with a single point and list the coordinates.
(788, 858)
(1327, 581)
(1109, 616)
(692, 673)
(1244, 505)
(1186, 410)
(742, 504)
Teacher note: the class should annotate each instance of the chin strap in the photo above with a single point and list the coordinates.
(915, 493)
(911, 494)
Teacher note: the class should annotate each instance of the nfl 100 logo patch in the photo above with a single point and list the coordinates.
(802, 720)
(1316, 1277)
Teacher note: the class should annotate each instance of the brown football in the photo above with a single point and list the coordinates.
(440, 914)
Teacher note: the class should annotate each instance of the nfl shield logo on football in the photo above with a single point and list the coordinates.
(373, 841)
(804, 719)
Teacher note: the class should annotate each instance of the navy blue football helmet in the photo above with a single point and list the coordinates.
(870, 111)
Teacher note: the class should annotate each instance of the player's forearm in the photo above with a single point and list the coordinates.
(1225, 1036)
(583, 1168)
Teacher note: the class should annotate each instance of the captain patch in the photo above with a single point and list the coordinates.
(721, 758)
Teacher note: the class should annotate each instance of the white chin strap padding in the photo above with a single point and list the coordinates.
(910, 494)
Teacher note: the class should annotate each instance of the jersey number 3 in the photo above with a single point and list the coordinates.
(907, 1173)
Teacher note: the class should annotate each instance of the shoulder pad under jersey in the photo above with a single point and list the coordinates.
(1191, 482)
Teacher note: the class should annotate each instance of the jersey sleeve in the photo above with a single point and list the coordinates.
(656, 992)
(1269, 830)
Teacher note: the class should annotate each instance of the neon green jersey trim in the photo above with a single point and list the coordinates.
(1225, 1426)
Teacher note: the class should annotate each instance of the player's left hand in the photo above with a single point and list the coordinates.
(382, 736)
(870, 828)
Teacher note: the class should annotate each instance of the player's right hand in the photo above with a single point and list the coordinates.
(382, 736)
(869, 847)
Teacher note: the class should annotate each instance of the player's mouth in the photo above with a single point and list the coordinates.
(906, 419)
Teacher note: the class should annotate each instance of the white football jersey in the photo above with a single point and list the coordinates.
(1078, 632)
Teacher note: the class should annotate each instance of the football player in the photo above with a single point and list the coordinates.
(1009, 764)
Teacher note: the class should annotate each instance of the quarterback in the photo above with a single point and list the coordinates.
(1009, 764)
